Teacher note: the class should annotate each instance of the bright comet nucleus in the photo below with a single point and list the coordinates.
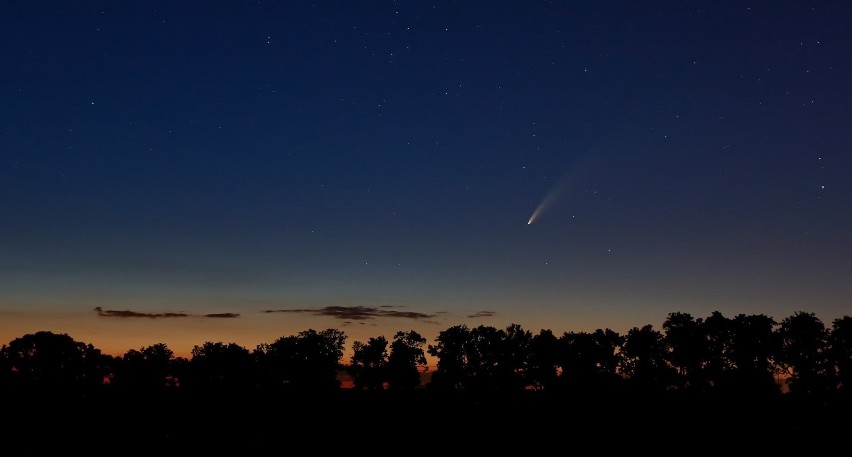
(548, 201)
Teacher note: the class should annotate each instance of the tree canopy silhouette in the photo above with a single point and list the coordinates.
(589, 360)
(48, 360)
(644, 358)
(688, 350)
(307, 361)
(744, 355)
(369, 363)
(220, 366)
(405, 360)
(804, 353)
(150, 368)
(752, 348)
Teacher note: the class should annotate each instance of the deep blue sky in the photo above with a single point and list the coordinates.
(238, 157)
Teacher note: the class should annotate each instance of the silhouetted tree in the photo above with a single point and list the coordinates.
(368, 364)
(406, 357)
(220, 366)
(589, 360)
(752, 347)
(483, 354)
(149, 368)
(54, 361)
(841, 350)
(577, 359)
(307, 361)
(451, 348)
(717, 331)
(644, 361)
(542, 370)
(511, 358)
(687, 349)
(481, 359)
(180, 368)
(266, 373)
(804, 353)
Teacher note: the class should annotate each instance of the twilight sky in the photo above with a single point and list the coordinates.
(187, 171)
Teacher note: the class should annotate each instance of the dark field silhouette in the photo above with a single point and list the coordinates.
(746, 383)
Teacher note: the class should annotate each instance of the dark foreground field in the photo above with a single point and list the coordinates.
(422, 422)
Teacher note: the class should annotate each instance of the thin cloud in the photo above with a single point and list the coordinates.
(297, 310)
(356, 313)
(223, 315)
(480, 314)
(126, 313)
(407, 314)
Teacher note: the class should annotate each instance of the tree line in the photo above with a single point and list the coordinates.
(745, 354)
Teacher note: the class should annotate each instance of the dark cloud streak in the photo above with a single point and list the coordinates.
(222, 315)
(480, 314)
(356, 313)
(126, 313)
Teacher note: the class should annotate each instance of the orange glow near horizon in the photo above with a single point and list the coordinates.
(115, 336)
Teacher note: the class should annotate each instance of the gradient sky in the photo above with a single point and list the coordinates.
(209, 159)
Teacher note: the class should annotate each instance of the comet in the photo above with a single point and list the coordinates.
(548, 201)
(574, 179)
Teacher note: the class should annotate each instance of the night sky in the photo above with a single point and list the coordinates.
(171, 171)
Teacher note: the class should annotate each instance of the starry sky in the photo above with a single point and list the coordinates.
(188, 171)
